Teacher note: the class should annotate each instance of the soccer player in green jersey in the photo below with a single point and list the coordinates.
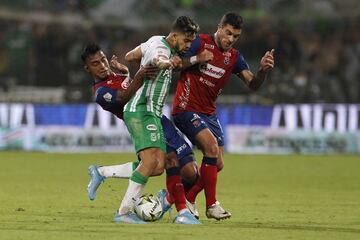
(143, 112)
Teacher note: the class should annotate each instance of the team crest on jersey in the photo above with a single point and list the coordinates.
(226, 60)
(107, 97)
(209, 46)
(151, 127)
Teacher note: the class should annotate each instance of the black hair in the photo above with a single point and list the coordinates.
(185, 25)
(233, 19)
(89, 50)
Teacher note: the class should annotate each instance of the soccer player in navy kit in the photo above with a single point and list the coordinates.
(210, 62)
(112, 91)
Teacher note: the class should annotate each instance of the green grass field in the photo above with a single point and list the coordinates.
(43, 196)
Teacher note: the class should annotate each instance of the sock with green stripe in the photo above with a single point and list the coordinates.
(118, 171)
(135, 190)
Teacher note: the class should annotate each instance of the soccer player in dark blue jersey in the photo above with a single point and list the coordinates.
(112, 90)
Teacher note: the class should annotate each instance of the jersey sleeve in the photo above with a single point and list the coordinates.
(154, 50)
(195, 46)
(106, 98)
(240, 64)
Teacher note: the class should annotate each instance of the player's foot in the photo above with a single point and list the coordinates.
(162, 197)
(129, 217)
(95, 180)
(192, 208)
(217, 212)
(186, 218)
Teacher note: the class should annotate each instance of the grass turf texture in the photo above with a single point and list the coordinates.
(43, 196)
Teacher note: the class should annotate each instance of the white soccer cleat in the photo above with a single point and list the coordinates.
(192, 208)
(217, 212)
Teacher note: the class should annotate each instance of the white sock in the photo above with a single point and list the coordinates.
(134, 191)
(118, 171)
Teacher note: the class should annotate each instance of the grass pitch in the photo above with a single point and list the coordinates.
(43, 196)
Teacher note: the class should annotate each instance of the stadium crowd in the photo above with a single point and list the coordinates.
(317, 60)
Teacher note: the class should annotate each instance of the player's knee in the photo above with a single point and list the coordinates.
(171, 160)
(189, 172)
(220, 166)
(212, 150)
(159, 170)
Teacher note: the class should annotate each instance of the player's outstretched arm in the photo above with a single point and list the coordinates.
(146, 71)
(134, 55)
(266, 64)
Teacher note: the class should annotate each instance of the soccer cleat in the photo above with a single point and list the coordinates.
(186, 218)
(129, 217)
(192, 208)
(217, 212)
(162, 197)
(95, 180)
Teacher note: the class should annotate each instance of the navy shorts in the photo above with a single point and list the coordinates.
(191, 123)
(176, 143)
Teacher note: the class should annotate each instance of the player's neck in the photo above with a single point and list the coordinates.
(217, 41)
(170, 41)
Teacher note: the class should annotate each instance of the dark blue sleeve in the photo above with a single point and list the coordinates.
(240, 64)
(195, 45)
(106, 98)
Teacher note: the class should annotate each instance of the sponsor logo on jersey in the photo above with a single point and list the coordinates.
(209, 46)
(207, 82)
(151, 127)
(212, 70)
(107, 97)
(181, 148)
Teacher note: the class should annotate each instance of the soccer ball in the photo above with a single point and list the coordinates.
(148, 208)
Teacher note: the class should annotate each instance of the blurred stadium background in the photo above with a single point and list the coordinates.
(309, 104)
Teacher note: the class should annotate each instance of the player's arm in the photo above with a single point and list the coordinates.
(134, 55)
(149, 72)
(118, 67)
(192, 57)
(255, 81)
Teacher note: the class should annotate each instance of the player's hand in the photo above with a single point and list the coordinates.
(205, 56)
(176, 62)
(114, 63)
(148, 71)
(267, 61)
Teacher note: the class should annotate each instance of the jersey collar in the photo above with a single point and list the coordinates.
(172, 50)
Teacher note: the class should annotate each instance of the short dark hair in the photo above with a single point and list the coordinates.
(185, 25)
(233, 19)
(89, 50)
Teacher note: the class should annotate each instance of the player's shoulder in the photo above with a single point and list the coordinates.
(156, 39)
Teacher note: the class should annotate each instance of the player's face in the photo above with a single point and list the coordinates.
(183, 42)
(97, 65)
(227, 36)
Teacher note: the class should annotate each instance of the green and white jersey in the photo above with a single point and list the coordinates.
(152, 95)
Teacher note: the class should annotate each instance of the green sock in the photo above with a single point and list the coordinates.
(139, 178)
(135, 164)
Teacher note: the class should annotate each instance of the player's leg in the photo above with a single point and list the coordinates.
(177, 148)
(99, 174)
(206, 132)
(147, 135)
